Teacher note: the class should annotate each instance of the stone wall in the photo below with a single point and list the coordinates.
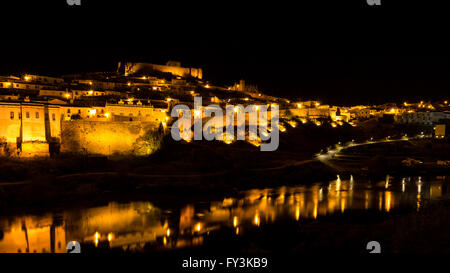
(104, 138)
(132, 68)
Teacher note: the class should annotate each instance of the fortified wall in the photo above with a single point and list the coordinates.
(173, 68)
(103, 138)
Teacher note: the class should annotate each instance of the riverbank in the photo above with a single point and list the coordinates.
(100, 187)
(188, 170)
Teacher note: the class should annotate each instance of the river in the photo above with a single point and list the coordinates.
(140, 225)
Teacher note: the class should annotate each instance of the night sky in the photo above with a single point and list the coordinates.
(339, 53)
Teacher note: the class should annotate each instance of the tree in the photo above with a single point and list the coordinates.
(149, 143)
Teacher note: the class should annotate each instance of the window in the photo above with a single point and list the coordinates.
(79, 111)
(37, 114)
(53, 116)
(12, 115)
(68, 111)
(27, 114)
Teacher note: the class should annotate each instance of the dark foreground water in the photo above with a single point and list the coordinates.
(141, 225)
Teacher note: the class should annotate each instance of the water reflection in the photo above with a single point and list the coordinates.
(138, 225)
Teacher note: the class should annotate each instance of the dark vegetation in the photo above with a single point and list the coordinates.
(196, 168)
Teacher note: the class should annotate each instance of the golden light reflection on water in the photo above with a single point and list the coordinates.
(134, 225)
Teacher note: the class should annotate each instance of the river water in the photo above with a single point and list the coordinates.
(141, 225)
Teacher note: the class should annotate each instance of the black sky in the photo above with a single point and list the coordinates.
(335, 51)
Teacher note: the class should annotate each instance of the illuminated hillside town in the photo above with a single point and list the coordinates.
(81, 113)
(106, 136)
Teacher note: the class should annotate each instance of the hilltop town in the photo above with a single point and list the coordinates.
(108, 113)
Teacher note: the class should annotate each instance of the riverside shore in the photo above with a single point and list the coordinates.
(201, 169)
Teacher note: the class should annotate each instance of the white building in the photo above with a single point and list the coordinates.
(424, 118)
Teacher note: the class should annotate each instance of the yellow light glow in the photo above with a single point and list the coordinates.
(236, 109)
(197, 113)
(318, 123)
(96, 237)
(256, 220)
(317, 104)
(168, 99)
(107, 115)
(257, 108)
(235, 221)
(315, 210)
(129, 84)
(297, 213)
(67, 95)
(299, 105)
(90, 92)
(445, 102)
(246, 99)
(207, 86)
(27, 78)
(168, 232)
(292, 123)
(8, 84)
(392, 110)
(110, 237)
(144, 77)
(154, 88)
(92, 112)
(387, 201)
(198, 227)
